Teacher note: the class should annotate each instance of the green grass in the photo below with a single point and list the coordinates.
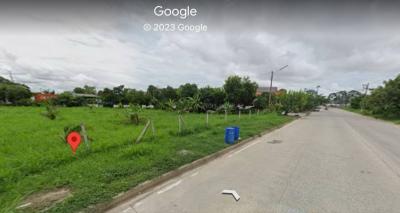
(34, 158)
(366, 113)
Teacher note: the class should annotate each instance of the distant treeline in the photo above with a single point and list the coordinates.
(383, 100)
(237, 92)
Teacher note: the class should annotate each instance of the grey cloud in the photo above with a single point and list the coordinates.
(329, 44)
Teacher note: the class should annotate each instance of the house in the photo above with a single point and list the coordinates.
(261, 90)
(90, 99)
(43, 96)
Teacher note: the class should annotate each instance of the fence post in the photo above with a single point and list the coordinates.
(85, 137)
(152, 129)
(239, 114)
(226, 115)
(179, 122)
(143, 131)
(258, 112)
(249, 113)
(207, 118)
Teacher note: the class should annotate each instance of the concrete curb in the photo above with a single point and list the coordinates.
(150, 184)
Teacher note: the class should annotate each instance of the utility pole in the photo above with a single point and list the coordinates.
(11, 76)
(366, 87)
(318, 88)
(270, 85)
(270, 88)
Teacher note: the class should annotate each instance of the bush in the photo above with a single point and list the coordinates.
(385, 100)
(355, 102)
(51, 111)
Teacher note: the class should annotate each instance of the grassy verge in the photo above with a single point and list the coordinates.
(33, 158)
(361, 112)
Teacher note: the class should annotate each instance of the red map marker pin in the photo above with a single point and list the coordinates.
(74, 139)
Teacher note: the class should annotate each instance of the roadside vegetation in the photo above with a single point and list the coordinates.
(383, 102)
(136, 136)
(35, 158)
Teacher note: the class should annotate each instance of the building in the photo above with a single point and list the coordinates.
(43, 96)
(261, 90)
(89, 99)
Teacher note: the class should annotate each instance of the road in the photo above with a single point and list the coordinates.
(330, 161)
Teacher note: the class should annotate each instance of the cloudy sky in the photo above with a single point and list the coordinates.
(59, 45)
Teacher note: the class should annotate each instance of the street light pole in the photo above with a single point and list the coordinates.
(270, 85)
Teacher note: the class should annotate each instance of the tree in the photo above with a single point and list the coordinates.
(385, 100)
(187, 90)
(299, 101)
(153, 91)
(14, 93)
(355, 102)
(240, 91)
(64, 99)
(249, 89)
(260, 102)
(85, 90)
(233, 87)
(211, 97)
(111, 97)
(169, 93)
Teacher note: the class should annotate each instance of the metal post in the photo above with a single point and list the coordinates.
(270, 89)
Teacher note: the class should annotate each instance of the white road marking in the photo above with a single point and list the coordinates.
(194, 174)
(232, 192)
(137, 204)
(127, 210)
(248, 146)
(169, 187)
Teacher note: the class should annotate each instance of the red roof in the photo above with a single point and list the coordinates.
(39, 97)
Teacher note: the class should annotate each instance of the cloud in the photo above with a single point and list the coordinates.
(106, 47)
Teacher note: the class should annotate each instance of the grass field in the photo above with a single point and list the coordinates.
(33, 157)
(359, 111)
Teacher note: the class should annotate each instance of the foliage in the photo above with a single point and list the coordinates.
(187, 90)
(110, 97)
(51, 110)
(133, 115)
(85, 90)
(299, 101)
(228, 107)
(170, 105)
(260, 102)
(211, 97)
(355, 102)
(13, 93)
(189, 104)
(240, 91)
(343, 97)
(70, 128)
(385, 100)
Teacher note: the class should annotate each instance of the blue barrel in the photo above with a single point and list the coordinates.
(229, 135)
(237, 132)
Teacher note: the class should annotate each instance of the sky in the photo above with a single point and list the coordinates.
(339, 45)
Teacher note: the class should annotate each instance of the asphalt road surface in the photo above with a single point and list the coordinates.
(330, 161)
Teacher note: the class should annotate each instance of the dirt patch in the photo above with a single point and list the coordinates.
(45, 199)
